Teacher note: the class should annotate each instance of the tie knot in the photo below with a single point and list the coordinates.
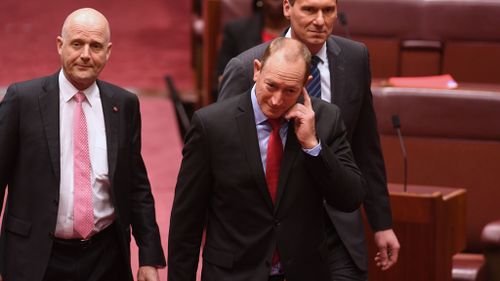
(314, 61)
(80, 97)
(275, 123)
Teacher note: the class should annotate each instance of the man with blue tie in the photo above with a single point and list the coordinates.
(255, 173)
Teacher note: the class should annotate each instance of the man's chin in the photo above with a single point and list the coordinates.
(83, 81)
(272, 115)
(316, 39)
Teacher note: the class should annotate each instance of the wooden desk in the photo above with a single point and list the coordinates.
(430, 224)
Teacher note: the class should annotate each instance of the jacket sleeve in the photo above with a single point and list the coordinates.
(368, 155)
(189, 211)
(143, 220)
(334, 169)
(9, 138)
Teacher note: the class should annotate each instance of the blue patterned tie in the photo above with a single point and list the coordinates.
(314, 86)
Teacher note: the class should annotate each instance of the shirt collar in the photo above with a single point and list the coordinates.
(257, 112)
(67, 90)
(321, 54)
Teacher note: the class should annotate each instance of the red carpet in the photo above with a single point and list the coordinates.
(161, 149)
(150, 38)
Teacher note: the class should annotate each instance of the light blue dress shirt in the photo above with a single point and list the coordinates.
(264, 131)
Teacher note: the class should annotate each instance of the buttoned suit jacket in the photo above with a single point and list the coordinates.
(221, 185)
(350, 81)
(30, 167)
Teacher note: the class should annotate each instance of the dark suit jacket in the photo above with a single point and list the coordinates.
(350, 82)
(239, 36)
(30, 166)
(221, 184)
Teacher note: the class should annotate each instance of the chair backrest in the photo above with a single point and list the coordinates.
(452, 139)
(180, 111)
(428, 37)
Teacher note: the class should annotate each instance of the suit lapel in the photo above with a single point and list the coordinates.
(337, 70)
(292, 148)
(48, 101)
(111, 123)
(245, 120)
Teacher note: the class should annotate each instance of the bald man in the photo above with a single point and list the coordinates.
(70, 154)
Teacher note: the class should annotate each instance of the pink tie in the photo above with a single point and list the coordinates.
(83, 210)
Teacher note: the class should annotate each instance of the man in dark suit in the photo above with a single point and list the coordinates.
(263, 216)
(345, 81)
(70, 154)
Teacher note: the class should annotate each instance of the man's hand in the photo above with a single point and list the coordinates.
(147, 273)
(305, 128)
(388, 248)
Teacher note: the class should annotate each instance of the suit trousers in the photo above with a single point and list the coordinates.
(340, 262)
(99, 259)
(276, 278)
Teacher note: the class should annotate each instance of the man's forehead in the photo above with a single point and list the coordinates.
(91, 34)
(316, 2)
(80, 31)
(286, 77)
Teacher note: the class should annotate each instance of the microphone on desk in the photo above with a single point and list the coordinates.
(396, 123)
(343, 21)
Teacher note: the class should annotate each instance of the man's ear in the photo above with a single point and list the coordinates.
(308, 80)
(108, 51)
(257, 67)
(286, 9)
(59, 44)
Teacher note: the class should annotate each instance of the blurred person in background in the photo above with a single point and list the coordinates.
(239, 35)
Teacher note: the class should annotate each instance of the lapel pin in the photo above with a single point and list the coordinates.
(115, 109)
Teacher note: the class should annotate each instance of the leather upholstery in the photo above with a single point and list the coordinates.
(452, 139)
(466, 31)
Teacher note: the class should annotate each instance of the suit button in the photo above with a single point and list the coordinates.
(277, 222)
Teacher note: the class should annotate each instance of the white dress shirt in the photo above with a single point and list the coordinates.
(104, 212)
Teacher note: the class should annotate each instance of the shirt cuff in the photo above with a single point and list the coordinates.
(313, 151)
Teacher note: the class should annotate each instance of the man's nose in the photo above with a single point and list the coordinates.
(85, 54)
(277, 98)
(320, 18)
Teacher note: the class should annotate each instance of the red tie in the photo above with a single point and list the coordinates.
(83, 210)
(274, 155)
(273, 163)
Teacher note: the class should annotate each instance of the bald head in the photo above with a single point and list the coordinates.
(86, 17)
(291, 50)
(280, 76)
(84, 46)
